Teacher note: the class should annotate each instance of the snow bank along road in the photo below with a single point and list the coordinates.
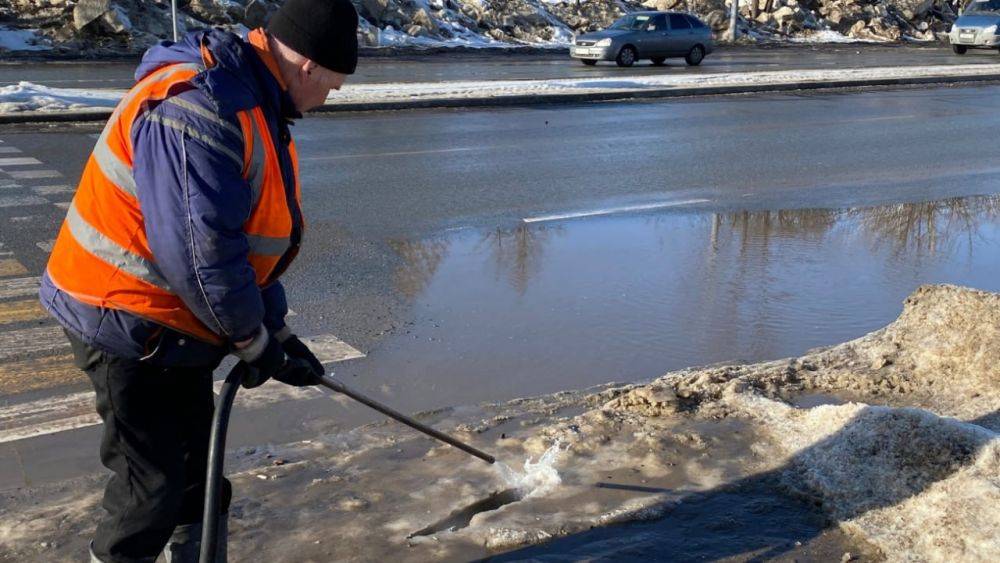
(31, 102)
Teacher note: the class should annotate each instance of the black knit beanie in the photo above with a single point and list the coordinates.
(324, 31)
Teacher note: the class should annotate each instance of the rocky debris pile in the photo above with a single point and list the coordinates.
(133, 25)
(878, 20)
(123, 26)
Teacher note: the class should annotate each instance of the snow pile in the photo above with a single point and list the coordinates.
(914, 482)
(22, 40)
(363, 93)
(829, 36)
(917, 485)
(26, 96)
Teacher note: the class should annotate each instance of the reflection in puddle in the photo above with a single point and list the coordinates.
(541, 308)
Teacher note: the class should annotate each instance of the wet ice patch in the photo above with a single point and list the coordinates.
(538, 478)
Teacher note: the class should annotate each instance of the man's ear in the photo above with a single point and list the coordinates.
(308, 67)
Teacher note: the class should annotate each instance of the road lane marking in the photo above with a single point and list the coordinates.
(32, 174)
(9, 150)
(330, 349)
(22, 200)
(38, 373)
(611, 211)
(11, 267)
(19, 311)
(19, 161)
(401, 153)
(19, 287)
(32, 341)
(52, 190)
(62, 204)
(52, 415)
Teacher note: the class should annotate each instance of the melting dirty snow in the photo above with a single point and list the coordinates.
(904, 467)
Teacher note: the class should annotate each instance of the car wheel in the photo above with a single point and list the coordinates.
(658, 61)
(589, 62)
(626, 57)
(959, 49)
(695, 55)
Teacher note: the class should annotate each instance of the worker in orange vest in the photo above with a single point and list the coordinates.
(187, 214)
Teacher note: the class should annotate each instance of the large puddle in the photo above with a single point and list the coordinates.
(562, 305)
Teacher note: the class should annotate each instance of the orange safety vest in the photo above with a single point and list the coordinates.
(102, 257)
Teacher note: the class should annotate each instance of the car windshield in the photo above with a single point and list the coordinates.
(640, 21)
(983, 7)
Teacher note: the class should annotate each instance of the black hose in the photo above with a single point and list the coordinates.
(216, 458)
(217, 448)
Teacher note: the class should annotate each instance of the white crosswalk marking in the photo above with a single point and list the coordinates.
(31, 341)
(22, 200)
(9, 150)
(69, 412)
(18, 161)
(60, 414)
(19, 287)
(52, 190)
(329, 349)
(32, 174)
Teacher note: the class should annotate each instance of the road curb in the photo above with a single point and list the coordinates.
(554, 98)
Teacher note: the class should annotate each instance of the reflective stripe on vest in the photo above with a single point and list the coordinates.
(269, 228)
(102, 257)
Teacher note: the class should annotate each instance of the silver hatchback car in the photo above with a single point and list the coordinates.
(976, 28)
(656, 36)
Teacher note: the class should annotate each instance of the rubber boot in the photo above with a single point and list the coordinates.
(185, 543)
(93, 558)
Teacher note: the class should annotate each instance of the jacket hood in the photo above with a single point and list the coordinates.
(237, 81)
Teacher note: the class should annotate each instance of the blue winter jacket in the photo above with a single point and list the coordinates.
(231, 304)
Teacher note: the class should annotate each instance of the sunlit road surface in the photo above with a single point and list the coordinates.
(521, 66)
(381, 188)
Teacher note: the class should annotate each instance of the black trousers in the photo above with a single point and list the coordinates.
(156, 427)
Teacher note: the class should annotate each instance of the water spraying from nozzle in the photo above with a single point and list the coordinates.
(538, 478)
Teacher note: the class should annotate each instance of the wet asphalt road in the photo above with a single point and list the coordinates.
(375, 183)
(519, 66)
(373, 180)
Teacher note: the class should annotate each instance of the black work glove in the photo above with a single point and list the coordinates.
(295, 348)
(262, 359)
(298, 373)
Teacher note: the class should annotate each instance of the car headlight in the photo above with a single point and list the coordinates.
(607, 42)
(991, 30)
